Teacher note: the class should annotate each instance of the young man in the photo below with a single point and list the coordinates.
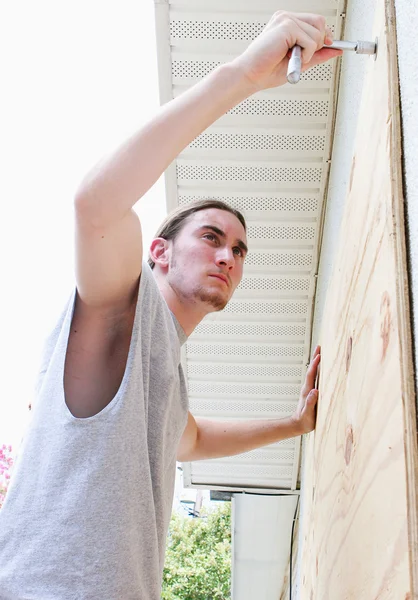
(88, 508)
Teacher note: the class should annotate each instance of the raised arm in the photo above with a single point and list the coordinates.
(204, 438)
(108, 235)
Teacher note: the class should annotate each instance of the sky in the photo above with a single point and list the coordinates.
(77, 79)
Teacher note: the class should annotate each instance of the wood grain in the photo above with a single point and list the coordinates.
(360, 478)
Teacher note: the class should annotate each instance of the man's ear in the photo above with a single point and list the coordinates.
(160, 252)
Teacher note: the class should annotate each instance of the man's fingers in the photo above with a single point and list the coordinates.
(313, 41)
(265, 62)
(318, 376)
(306, 35)
(314, 360)
(317, 21)
(311, 374)
(329, 37)
(312, 398)
(316, 351)
(322, 56)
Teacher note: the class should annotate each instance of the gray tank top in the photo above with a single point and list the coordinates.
(89, 502)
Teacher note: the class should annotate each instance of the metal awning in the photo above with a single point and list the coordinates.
(269, 157)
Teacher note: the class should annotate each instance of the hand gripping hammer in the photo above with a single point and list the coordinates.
(295, 62)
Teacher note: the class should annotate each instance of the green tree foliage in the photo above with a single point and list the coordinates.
(198, 557)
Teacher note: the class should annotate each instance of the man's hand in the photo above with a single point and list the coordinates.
(264, 62)
(204, 438)
(305, 415)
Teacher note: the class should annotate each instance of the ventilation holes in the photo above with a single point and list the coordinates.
(202, 370)
(227, 141)
(281, 232)
(270, 259)
(193, 68)
(290, 284)
(248, 173)
(261, 203)
(266, 456)
(243, 389)
(215, 30)
(284, 108)
(270, 350)
(197, 69)
(267, 308)
(250, 330)
(321, 72)
(239, 406)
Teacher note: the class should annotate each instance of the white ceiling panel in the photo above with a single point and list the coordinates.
(268, 157)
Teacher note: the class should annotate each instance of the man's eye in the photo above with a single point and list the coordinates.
(209, 236)
(238, 251)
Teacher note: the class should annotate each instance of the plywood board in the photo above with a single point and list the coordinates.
(359, 536)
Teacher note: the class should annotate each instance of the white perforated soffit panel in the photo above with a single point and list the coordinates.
(269, 157)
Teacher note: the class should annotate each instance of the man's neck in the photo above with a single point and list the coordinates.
(188, 314)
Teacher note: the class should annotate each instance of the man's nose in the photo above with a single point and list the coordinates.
(225, 256)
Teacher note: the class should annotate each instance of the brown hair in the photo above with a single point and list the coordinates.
(176, 219)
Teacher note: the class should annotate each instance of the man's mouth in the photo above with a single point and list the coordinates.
(221, 277)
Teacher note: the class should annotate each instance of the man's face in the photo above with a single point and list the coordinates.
(207, 258)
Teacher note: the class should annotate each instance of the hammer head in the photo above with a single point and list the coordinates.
(366, 48)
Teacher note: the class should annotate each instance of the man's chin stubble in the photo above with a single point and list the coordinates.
(216, 301)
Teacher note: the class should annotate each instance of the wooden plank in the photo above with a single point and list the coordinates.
(359, 499)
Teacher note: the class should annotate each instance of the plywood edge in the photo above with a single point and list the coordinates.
(403, 302)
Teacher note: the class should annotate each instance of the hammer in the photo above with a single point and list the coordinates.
(295, 62)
